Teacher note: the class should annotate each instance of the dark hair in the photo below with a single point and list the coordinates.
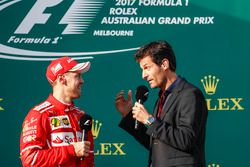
(157, 50)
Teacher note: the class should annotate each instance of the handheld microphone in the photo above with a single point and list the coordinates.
(141, 96)
(85, 125)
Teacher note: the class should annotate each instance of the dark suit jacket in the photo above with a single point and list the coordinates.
(178, 137)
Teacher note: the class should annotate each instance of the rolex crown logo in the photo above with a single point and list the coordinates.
(213, 165)
(1, 108)
(96, 126)
(210, 84)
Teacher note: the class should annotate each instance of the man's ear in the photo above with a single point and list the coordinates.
(165, 64)
(62, 79)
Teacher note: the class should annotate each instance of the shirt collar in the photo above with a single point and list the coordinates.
(171, 87)
(60, 105)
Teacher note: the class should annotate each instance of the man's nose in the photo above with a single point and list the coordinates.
(144, 75)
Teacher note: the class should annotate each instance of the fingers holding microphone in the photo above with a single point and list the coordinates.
(140, 113)
(82, 148)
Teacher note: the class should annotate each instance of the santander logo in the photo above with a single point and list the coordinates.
(62, 138)
(57, 140)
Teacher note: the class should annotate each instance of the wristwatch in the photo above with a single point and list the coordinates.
(150, 120)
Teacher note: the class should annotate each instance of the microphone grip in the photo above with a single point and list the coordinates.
(84, 137)
(136, 121)
(136, 125)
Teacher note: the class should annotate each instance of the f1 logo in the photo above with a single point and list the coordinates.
(36, 15)
(87, 123)
(77, 18)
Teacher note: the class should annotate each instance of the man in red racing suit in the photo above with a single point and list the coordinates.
(51, 134)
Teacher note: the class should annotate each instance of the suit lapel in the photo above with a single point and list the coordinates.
(156, 108)
(171, 98)
(168, 103)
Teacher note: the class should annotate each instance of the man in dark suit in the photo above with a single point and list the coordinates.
(175, 133)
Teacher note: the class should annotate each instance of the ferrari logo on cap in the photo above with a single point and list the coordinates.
(56, 68)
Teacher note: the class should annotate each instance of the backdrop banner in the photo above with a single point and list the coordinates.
(210, 39)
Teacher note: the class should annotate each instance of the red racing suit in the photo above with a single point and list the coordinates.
(48, 130)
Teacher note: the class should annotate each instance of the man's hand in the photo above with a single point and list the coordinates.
(122, 105)
(81, 148)
(140, 113)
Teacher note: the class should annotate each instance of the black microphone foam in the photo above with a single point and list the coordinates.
(141, 94)
(86, 122)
